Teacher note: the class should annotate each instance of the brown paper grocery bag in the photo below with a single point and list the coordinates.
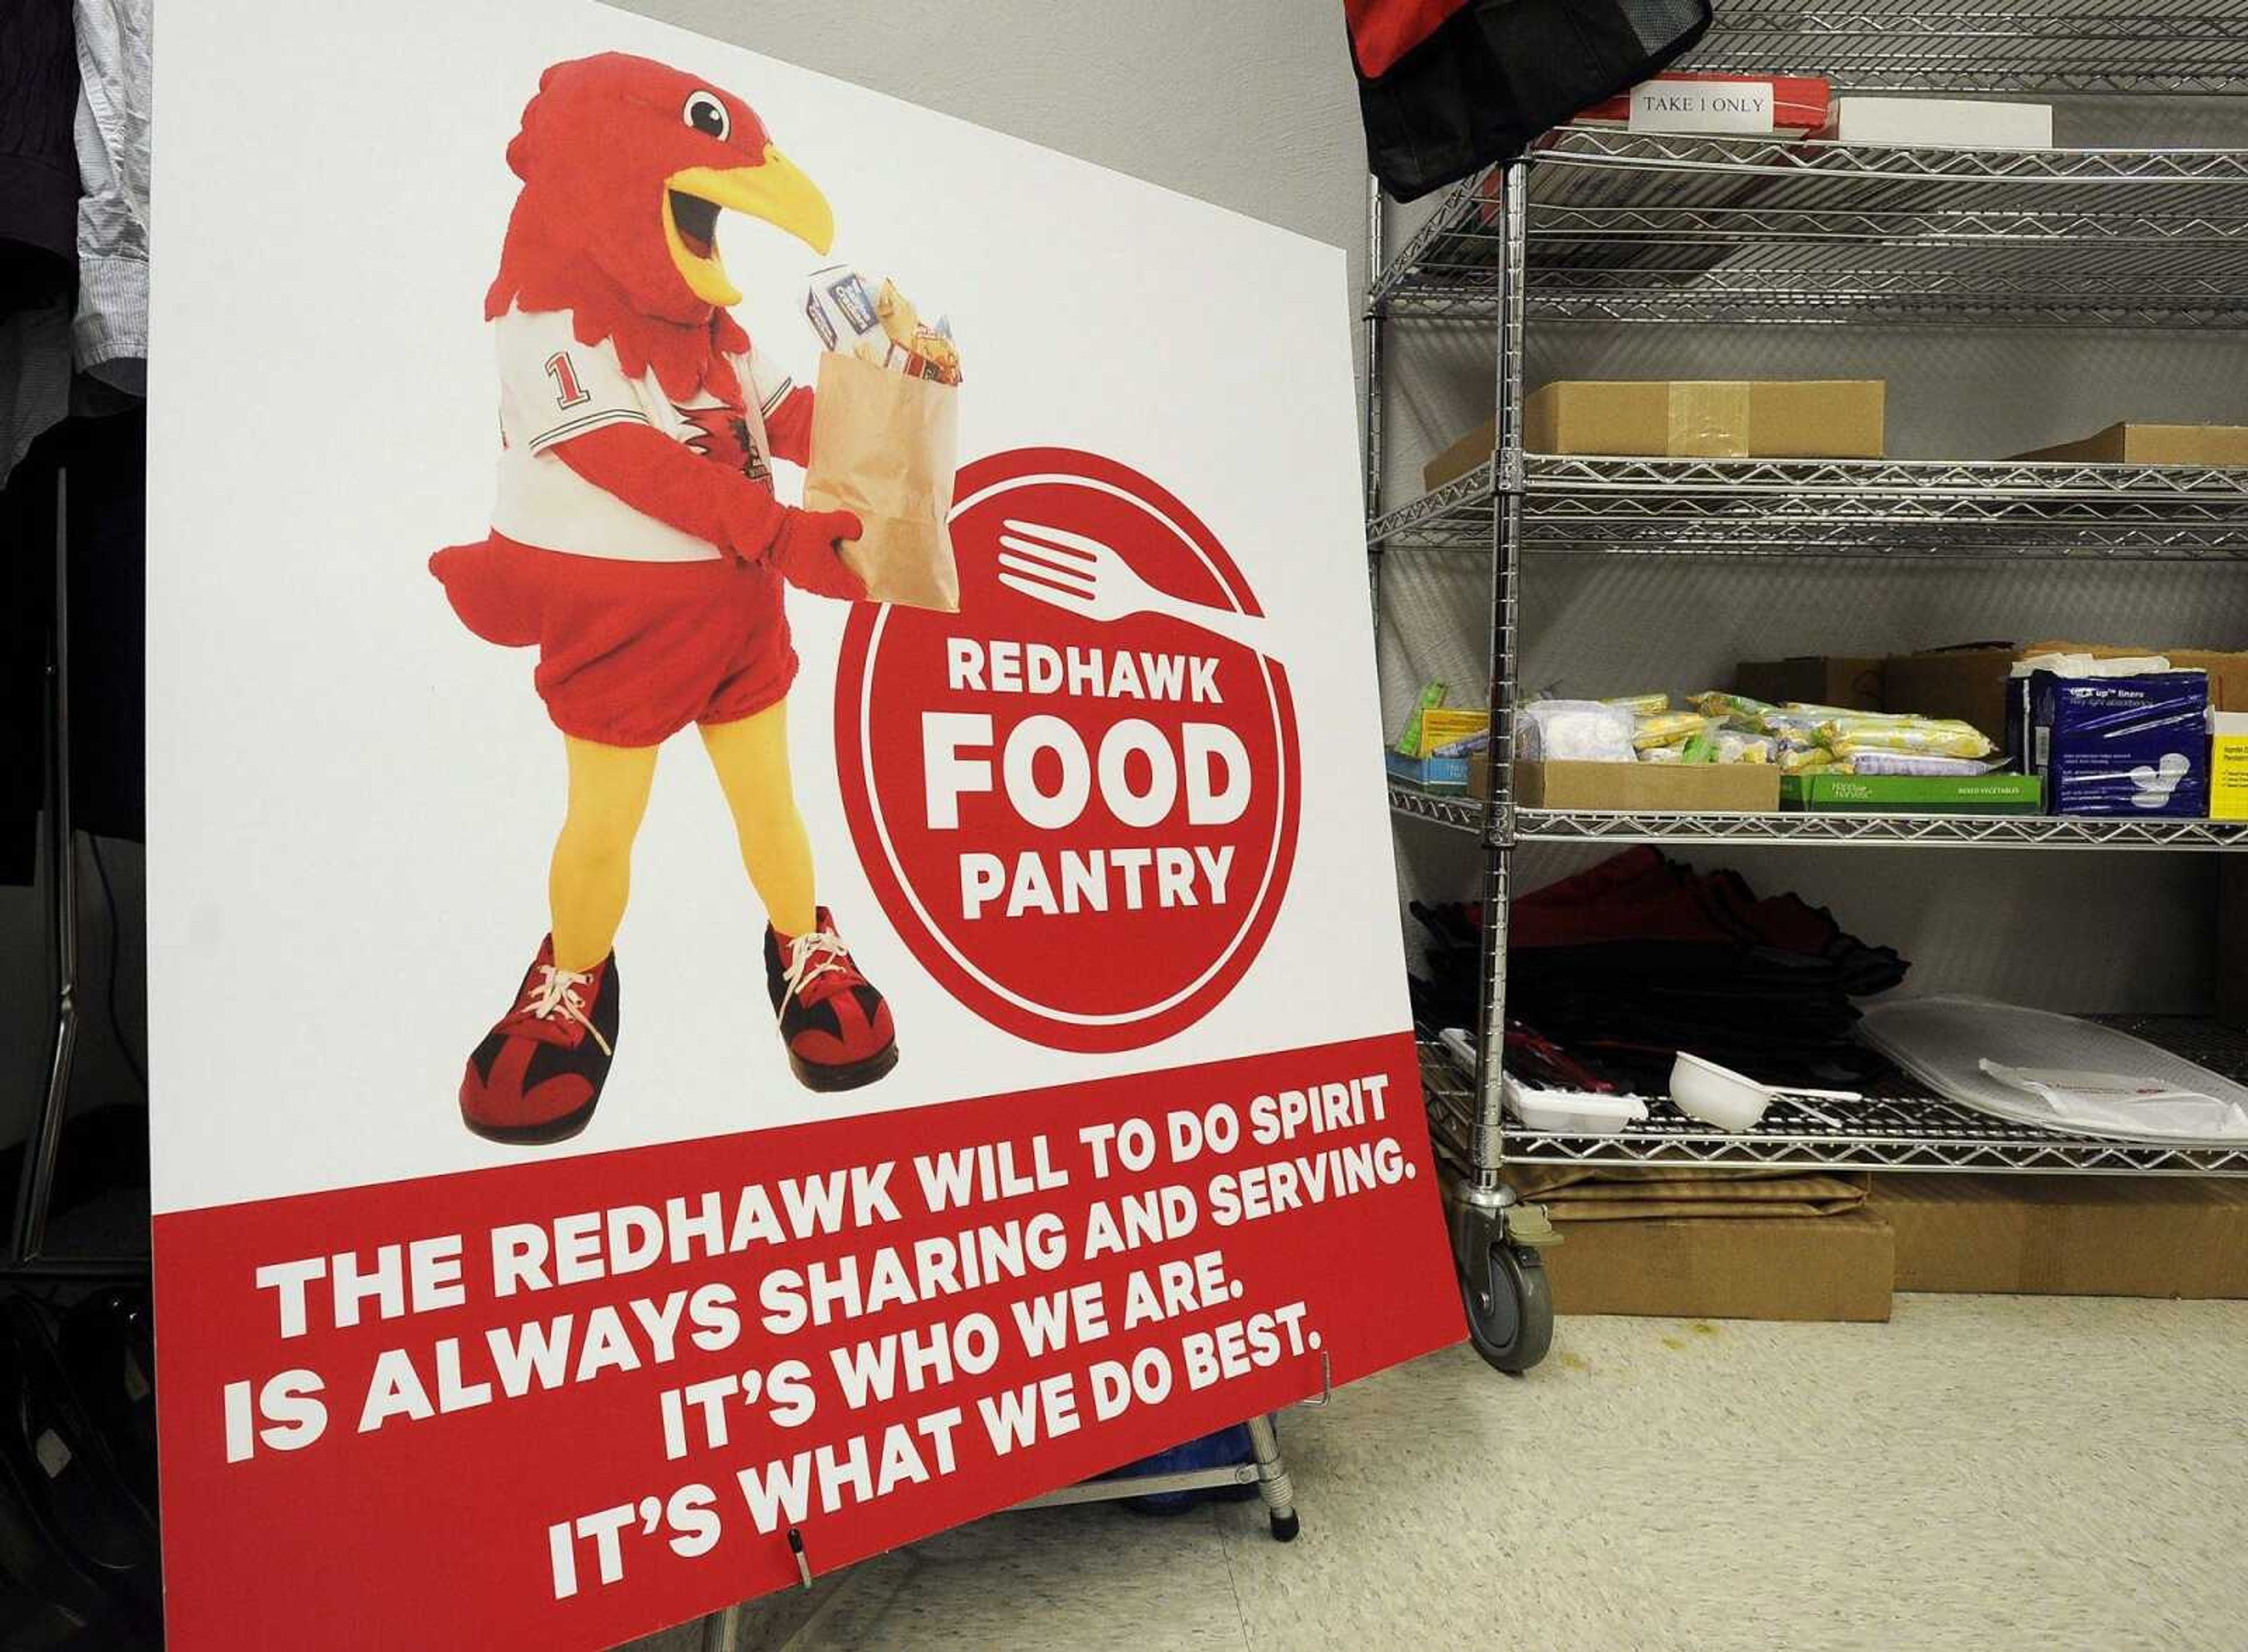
(885, 446)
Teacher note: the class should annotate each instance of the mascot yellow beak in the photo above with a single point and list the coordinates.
(774, 191)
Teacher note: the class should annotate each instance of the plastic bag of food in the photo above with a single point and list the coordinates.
(1737, 745)
(1846, 737)
(1576, 731)
(1832, 713)
(1641, 705)
(1732, 708)
(1667, 729)
(1921, 763)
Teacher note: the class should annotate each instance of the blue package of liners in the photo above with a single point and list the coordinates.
(2125, 746)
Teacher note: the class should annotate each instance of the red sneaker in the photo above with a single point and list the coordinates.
(834, 1023)
(537, 1075)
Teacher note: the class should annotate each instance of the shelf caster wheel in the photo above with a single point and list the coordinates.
(1509, 1309)
(1285, 1527)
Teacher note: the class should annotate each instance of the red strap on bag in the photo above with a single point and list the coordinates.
(1383, 31)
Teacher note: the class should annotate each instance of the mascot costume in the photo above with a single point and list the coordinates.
(637, 545)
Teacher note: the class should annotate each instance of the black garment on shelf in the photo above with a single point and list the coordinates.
(104, 466)
(38, 152)
(1446, 86)
(1639, 957)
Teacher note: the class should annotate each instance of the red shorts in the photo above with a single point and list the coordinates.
(629, 652)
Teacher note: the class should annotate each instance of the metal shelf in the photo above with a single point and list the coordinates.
(1849, 507)
(1894, 1128)
(1643, 227)
(1955, 831)
(1446, 809)
(2126, 46)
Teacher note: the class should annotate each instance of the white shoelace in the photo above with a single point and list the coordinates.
(812, 956)
(557, 995)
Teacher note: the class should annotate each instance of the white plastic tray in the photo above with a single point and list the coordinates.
(1942, 1042)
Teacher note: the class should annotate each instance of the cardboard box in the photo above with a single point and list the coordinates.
(2228, 673)
(2206, 444)
(1837, 680)
(1462, 456)
(1968, 683)
(1829, 1267)
(1649, 788)
(1941, 123)
(2066, 1236)
(1710, 418)
(1913, 794)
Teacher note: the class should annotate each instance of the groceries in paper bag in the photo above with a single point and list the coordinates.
(884, 436)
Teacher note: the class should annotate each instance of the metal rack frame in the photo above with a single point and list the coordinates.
(1991, 45)
(1618, 226)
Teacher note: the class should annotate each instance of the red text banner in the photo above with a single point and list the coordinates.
(554, 1404)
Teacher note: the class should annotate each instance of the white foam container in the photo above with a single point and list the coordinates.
(1572, 1112)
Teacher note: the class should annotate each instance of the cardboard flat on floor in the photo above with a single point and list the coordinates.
(1647, 1193)
(1828, 1267)
(2067, 1236)
(1853, 683)
(2208, 444)
(1709, 418)
(1649, 788)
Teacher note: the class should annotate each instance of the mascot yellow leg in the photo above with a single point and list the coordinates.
(751, 759)
(591, 876)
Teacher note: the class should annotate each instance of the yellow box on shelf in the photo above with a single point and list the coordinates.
(2228, 767)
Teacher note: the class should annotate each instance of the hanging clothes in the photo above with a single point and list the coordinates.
(38, 220)
(111, 329)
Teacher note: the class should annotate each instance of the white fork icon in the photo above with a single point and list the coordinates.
(1082, 576)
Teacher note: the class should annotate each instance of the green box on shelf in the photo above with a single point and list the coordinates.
(1914, 794)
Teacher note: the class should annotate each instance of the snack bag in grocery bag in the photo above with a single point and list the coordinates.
(884, 440)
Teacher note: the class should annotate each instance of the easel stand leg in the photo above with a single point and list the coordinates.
(1272, 1482)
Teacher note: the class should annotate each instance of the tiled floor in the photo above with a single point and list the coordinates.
(1984, 1473)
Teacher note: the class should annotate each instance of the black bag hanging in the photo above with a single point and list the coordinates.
(1446, 87)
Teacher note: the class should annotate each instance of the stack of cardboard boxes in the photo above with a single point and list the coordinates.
(2037, 1236)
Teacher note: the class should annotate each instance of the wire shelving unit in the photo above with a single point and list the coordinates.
(1621, 227)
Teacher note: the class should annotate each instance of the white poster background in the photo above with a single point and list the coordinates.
(352, 800)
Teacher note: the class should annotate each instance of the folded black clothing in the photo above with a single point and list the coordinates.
(1640, 956)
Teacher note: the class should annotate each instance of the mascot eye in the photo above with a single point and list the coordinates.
(707, 115)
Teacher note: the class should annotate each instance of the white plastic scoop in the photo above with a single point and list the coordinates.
(1733, 1100)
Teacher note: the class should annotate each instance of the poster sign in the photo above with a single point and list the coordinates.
(771, 914)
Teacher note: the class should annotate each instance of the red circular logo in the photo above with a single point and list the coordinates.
(1076, 798)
